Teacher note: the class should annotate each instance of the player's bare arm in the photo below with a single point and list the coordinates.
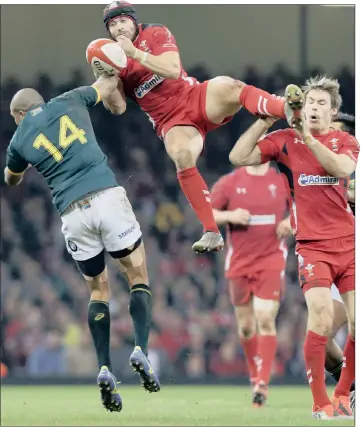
(338, 165)
(105, 85)
(246, 151)
(165, 65)
(237, 216)
(116, 102)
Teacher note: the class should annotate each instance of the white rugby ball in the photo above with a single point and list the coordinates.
(106, 56)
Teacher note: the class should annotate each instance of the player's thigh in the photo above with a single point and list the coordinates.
(320, 309)
(246, 321)
(82, 241)
(119, 228)
(223, 98)
(183, 144)
(339, 315)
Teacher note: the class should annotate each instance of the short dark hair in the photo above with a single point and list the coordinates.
(348, 122)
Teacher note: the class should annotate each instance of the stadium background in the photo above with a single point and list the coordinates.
(43, 298)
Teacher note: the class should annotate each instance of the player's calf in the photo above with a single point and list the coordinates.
(247, 329)
(265, 311)
(183, 145)
(320, 311)
(133, 265)
(96, 276)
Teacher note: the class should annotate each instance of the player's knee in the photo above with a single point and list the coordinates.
(320, 318)
(229, 89)
(246, 328)
(183, 157)
(266, 322)
(99, 286)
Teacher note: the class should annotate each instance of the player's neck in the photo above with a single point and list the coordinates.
(320, 132)
(259, 170)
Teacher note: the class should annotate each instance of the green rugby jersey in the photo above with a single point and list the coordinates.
(57, 138)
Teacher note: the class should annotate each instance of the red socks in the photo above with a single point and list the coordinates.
(261, 103)
(315, 353)
(197, 194)
(250, 348)
(267, 346)
(348, 369)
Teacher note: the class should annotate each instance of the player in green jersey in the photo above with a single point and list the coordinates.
(57, 138)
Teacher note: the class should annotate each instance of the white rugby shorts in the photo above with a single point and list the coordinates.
(101, 220)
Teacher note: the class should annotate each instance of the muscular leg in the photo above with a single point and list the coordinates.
(133, 265)
(266, 312)
(184, 145)
(225, 96)
(320, 317)
(247, 331)
(334, 356)
(96, 277)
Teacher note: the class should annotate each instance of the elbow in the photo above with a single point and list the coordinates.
(174, 72)
(236, 159)
(345, 172)
(117, 110)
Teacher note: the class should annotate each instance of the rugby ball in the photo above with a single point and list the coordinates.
(106, 56)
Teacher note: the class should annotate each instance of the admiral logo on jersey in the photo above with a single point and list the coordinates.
(148, 85)
(305, 180)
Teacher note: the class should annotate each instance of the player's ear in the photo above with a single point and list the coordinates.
(333, 112)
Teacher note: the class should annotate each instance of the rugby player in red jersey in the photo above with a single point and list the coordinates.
(316, 161)
(181, 109)
(252, 203)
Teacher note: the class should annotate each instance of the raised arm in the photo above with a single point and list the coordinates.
(246, 151)
(164, 59)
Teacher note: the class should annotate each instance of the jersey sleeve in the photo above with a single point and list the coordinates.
(163, 41)
(220, 193)
(271, 146)
(350, 147)
(14, 162)
(88, 96)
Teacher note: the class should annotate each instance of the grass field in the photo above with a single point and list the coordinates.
(173, 406)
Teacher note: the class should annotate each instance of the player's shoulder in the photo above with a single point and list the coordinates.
(74, 96)
(149, 29)
(342, 136)
(282, 134)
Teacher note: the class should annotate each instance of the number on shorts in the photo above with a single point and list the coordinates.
(68, 133)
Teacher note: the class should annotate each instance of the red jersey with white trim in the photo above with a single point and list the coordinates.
(320, 210)
(254, 247)
(155, 95)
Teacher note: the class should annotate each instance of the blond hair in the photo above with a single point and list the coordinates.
(327, 84)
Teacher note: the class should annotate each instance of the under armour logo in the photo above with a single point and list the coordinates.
(206, 194)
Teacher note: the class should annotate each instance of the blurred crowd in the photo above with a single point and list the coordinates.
(44, 299)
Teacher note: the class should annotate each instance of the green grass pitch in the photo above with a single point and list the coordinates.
(172, 406)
